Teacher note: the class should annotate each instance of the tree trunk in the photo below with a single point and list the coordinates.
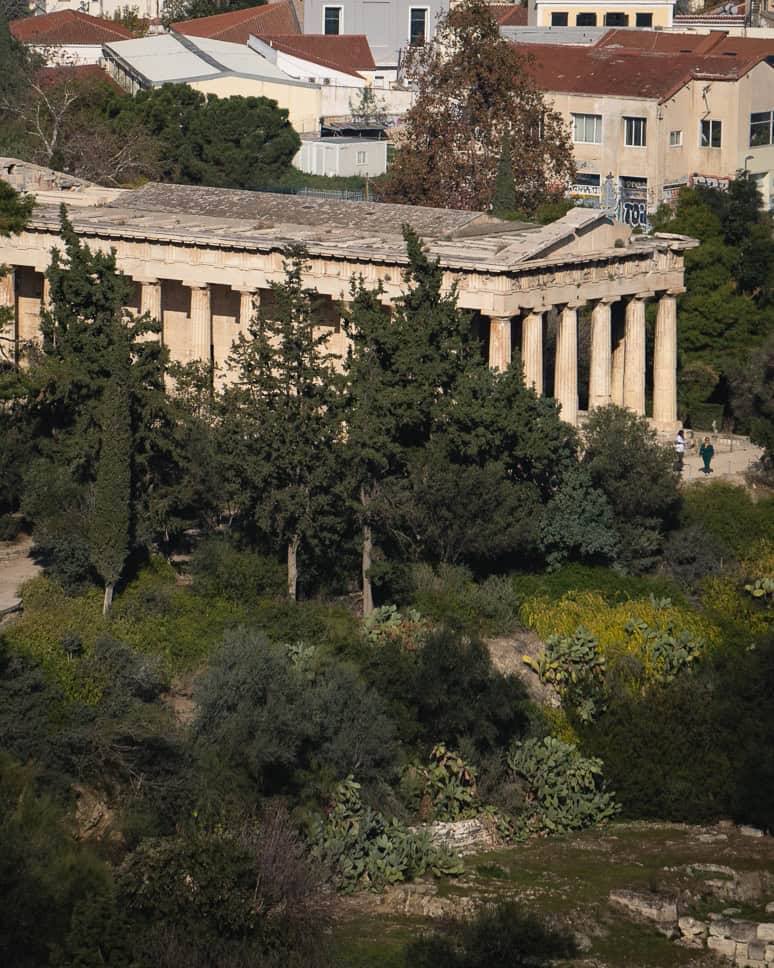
(368, 594)
(107, 601)
(293, 566)
(368, 544)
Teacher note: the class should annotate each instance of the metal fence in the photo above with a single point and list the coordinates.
(340, 196)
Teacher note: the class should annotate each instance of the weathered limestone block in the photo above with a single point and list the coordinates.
(722, 946)
(768, 956)
(719, 927)
(743, 931)
(747, 831)
(770, 907)
(766, 931)
(756, 951)
(653, 907)
(692, 927)
(463, 836)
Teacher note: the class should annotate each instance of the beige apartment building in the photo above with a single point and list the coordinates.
(646, 14)
(651, 112)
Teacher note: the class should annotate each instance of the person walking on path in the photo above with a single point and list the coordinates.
(679, 450)
(707, 452)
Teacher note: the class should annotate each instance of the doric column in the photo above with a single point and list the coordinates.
(532, 351)
(150, 298)
(665, 362)
(499, 342)
(600, 390)
(8, 289)
(201, 324)
(248, 304)
(566, 371)
(634, 358)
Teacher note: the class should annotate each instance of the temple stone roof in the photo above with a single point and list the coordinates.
(273, 209)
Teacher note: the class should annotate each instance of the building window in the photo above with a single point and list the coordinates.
(559, 19)
(586, 20)
(711, 134)
(331, 20)
(634, 132)
(587, 129)
(761, 128)
(616, 20)
(644, 20)
(417, 26)
(675, 139)
(361, 158)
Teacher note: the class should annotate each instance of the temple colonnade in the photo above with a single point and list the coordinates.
(201, 322)
(617, 369)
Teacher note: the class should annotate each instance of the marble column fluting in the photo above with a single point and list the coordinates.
(8, 289)
(566, 371)
(600, 377)
(665, 362)
(249, 302)
(500, 342)
(634, 357)
(201, 325)
(532, 351)
(150, 298)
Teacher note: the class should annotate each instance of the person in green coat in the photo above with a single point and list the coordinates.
(707, 452)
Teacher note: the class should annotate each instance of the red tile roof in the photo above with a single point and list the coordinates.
(509, 14)
(236, 26)
(716, 42)
(349, 53)
(67, 27)
(80, 73)
(628, 72)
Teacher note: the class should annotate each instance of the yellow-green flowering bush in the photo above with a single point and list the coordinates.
(608, 624)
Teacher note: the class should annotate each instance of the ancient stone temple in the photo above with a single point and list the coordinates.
(202, 259)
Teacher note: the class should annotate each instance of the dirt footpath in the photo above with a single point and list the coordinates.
(16, 567)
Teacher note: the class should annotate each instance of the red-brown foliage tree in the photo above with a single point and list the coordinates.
(473, 87)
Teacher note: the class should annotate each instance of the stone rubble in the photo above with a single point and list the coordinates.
(745, 942)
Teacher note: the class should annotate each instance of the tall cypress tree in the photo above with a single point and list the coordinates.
(110, 518)
(108, 464)
(400, 376)
(504, 195)
(282, 420)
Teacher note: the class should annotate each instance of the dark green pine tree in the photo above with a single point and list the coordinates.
(504, 196)
(95, 362)
(400, 376)
(282, 418)
(109, 532)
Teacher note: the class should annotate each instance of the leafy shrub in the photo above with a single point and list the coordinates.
(692, 554)
(578, 523)
(44, 874)
(362, 849)
(499, 936)
(449, 785)
(387, 624)
(250, 883)
(221, 570)
(574, 666)
(447, 691)
(698, 748)
(48, 629)
(565, 789)
(636, 473)
(612, 586)
(449, 595)
(274, 721)
(729, 513)
(11, 526)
